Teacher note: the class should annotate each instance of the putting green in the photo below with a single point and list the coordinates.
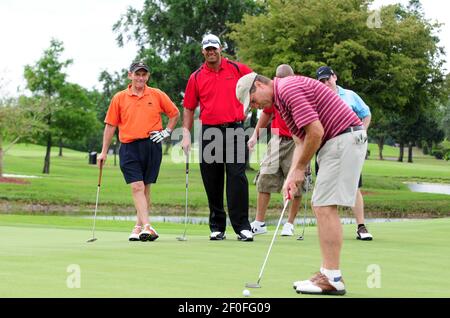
(47, 256)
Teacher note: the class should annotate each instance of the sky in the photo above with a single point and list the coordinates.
(85, 28)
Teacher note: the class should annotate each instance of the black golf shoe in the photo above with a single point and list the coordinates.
(148, 234)
(217, 236)
(363, 234)
(245, 235)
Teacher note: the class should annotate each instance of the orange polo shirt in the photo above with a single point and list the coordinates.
(137, 116)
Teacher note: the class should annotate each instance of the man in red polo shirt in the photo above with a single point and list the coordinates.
(275, 165)
(319, 122)
(222, 141)
(137, 112)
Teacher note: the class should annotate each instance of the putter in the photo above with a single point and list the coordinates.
(183, 238)
(93, 239)
(257, 285)
(302, 237)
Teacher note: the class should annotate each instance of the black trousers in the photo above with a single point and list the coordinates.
(223, 152)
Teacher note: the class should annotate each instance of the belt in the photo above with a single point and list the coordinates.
(351, 129)
(226, 125)
(284, 137)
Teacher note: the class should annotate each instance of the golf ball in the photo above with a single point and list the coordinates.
(246, 292)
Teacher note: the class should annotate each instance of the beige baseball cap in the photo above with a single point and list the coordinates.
(243, 87)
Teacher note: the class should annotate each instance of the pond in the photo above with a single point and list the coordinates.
(204, 220)
(429, 187)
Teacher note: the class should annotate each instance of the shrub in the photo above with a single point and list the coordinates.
(438, 153)
(447, 155)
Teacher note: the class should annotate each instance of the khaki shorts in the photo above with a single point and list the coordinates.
(275, 166)
(340, 160)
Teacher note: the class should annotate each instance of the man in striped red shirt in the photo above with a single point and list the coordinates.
(275, 165)
(319, 122)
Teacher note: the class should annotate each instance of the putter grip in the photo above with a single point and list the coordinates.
(187, 164)
(100, 173)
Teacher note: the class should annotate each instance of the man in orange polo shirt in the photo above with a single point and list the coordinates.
(222, 142)
(136, 111)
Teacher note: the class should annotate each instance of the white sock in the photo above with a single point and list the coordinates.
(259, 223)
(331, 273)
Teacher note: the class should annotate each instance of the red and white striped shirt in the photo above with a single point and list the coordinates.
(302, 100)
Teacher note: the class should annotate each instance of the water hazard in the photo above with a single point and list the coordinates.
(429, 187)
(204, 220)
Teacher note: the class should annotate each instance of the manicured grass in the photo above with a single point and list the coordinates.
(73, 182)
(39, 253)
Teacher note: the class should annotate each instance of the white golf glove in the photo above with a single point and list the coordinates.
(158, 136)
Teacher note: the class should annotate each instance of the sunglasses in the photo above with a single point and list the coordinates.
(209, 41)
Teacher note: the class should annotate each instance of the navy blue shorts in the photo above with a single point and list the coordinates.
(140, 161)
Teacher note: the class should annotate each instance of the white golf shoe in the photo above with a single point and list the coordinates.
(134, 236)
(319, 284)
(288, 229)
(258, 227)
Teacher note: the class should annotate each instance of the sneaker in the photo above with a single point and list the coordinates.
(217, 236)
(363, 234)
(134, 236)
(319, 284)
(245, 235)
(257, 228)
(148, 234)
(288, 229)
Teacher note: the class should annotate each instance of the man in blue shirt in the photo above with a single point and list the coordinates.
(327, 76)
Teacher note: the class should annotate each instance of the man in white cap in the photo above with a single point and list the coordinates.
(222, 141)
(319, 122)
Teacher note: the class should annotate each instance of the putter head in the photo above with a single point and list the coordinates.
(182, 238)
(300, 238)
(252, 285)
(91, 240)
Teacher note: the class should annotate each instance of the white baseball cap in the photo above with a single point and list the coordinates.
(210, 40)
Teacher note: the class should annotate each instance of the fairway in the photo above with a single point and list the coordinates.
(40, 256)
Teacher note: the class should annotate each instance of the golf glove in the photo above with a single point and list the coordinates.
(158, 136)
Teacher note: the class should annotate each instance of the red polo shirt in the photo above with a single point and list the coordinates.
(278, 126)
(215, 92)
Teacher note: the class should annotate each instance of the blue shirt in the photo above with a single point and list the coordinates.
(354, 101)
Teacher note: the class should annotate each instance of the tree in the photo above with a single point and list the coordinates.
(18, 122)
(446, 120)
(379, 131)
(76, 119)
(396, 68)
(112, 83)
(169, 33)
(45, 79)
(445, 109)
